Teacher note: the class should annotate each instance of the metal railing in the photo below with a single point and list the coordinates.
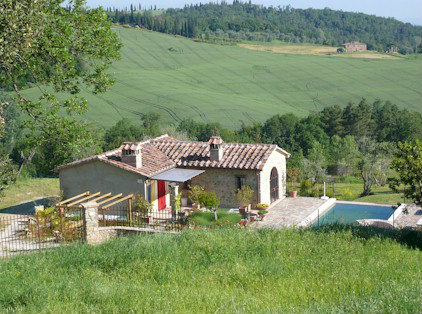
(124, 215)
(44, 230)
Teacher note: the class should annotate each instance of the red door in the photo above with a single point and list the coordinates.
(161, 195)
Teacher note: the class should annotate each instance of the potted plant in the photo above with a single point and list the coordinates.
(195, 195)
(292, 176)
(244, 197)
(262, 213)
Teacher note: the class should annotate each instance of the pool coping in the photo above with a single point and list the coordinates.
(364, 203)
(321, 210)
(397, 213)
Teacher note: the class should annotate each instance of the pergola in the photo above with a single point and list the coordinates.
(104, 201)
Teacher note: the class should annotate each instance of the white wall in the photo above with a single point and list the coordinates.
(277, 160)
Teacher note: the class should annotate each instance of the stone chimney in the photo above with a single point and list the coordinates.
(132, 154)
(216, 148)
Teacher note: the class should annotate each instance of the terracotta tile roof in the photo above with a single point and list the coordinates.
(153, 160)
(165, 152)
(197, 154)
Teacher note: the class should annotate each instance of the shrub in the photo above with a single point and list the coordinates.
(142, 205)
(209, 200)
(244, 195)
(263, 212)
(348, 194)
(195, 194)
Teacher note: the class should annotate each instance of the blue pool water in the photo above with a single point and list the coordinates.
(349, 213)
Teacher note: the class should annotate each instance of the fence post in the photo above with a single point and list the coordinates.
(90, 222)
(130, 211)
(174, 190)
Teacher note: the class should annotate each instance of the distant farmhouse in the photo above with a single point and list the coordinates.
(392, 49)
(354, 46)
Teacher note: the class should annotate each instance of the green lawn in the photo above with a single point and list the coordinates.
(351, 192)
(181, 78)
(25, 190)
(220, 271)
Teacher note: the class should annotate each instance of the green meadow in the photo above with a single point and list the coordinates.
(333, 270)
(181, 78)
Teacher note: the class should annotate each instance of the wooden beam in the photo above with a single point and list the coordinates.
(117, 201)
(101, 197)
(84, 199)
(110, 199)
(72, 198)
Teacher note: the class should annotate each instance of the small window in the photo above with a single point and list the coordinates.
(240, 181)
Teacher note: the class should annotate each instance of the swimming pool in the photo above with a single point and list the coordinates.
(349, 213)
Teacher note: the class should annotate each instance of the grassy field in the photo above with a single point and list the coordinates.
(181, 78)
(221, 271)
(25, 190)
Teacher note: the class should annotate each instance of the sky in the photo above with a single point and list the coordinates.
(403, 10)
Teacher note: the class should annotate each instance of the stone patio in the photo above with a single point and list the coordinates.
(290, 212)
(410, 219)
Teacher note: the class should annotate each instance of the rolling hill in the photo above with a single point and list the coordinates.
(181, 78)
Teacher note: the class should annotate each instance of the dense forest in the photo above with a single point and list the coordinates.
(247, 21)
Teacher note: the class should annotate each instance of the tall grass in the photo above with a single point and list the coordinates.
(220, 271)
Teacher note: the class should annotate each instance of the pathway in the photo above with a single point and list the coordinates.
(290, 212)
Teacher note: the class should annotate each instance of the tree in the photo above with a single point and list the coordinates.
(151, 123)
(65, 48)
(313, 167)
(358, 119)
(7, 170)
(279, 130)
(374, 163)
(407, 163)
(344, 154)
(122, 131)
(332, 120)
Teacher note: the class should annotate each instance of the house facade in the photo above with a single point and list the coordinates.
(355, 46)
(158, 167)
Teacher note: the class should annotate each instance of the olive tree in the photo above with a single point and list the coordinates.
(374, 163)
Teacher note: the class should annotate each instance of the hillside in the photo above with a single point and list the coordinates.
(181, 78)
(359, 270)
(241, 20)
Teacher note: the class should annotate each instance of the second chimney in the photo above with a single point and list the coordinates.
(216, 148)
(132, 155)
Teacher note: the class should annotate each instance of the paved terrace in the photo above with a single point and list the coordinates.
(410, 219)
(290, 212)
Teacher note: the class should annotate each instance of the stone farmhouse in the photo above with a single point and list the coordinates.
(355, 46)
(161, 167)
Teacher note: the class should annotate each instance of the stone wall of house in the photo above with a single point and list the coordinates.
(97, 176)
(224, 183)
(277, 160)
(355, 46)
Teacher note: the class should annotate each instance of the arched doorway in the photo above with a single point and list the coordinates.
(274, 185)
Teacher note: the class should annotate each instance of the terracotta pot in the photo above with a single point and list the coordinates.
(293, 194)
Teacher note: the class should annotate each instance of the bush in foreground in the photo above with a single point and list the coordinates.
(221, 270)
